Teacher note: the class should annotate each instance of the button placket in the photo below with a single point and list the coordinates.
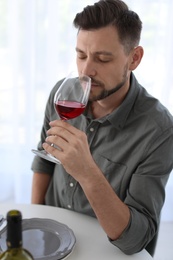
(71, 189)
(91, 131)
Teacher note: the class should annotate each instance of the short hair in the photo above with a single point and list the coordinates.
(112, 12)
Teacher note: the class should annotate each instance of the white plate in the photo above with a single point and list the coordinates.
(46, 239)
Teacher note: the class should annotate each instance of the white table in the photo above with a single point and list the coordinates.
(91, 241)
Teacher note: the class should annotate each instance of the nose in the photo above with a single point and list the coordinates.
(87, 68)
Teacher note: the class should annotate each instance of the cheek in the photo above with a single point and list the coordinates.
(112, 77)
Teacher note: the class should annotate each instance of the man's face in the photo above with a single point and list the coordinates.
(101, 56)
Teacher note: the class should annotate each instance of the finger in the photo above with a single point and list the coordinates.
(58, 123)
(57, 142)
(52, 150)
(60, 132)
(64, 125)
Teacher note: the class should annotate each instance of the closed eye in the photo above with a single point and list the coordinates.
(104, 61)
(81, 57)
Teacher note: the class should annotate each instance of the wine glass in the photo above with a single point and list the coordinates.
(70, 101)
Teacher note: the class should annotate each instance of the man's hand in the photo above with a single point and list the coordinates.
(74, 152)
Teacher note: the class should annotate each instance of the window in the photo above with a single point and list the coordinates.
(37, 43)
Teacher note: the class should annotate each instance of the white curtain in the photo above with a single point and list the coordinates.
(37, 42)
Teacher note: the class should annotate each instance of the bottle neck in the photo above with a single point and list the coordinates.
(14, 230)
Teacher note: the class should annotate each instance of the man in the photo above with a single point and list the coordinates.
(117, 156)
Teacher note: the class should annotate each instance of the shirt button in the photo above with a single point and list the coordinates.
(71, 184)
(91, 129)
(69, 206)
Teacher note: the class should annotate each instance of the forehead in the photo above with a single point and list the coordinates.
(100, 39)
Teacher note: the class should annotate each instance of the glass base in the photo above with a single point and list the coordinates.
(43, 154)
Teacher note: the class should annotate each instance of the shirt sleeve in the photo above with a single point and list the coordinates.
(146, 195)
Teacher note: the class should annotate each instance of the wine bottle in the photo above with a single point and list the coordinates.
(15, 251)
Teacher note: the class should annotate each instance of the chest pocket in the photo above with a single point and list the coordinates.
(113, 171)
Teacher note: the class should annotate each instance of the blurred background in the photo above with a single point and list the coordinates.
(37, 48)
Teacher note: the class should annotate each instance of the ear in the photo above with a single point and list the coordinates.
(136, 57)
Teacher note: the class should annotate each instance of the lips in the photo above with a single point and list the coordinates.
(94, 84)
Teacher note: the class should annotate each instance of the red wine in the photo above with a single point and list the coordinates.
(69, 109)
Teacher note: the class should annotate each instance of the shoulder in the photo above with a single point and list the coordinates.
(49, 110)
(152, 110)
(55, 88)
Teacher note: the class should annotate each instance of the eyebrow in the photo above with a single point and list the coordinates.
(106, 53)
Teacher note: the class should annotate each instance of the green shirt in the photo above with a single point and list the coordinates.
(133, 147)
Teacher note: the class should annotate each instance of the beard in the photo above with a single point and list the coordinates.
(106, 93)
